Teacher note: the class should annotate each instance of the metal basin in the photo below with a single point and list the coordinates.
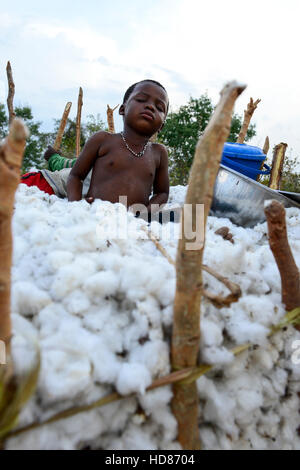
(241, 199)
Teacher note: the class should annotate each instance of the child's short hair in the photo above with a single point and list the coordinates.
(132, 87)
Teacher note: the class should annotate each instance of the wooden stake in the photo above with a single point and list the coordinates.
(11, 93)
(248, 113)
(279, 244)
(78, 121)
(265, 151)
(186, 325)
(266, 146)
(62, 126)
(11, 155)
(110, 118)
(277, 165)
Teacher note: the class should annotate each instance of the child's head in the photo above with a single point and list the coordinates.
(145, 106)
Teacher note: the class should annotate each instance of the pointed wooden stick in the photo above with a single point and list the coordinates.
(186, 331)
(62, 126)
(266, 146)
(216, 299)
(110, 118)
(277, 165)
(248, 113)
(279, 244)
(78, 121)
(11, 155)
(11, 93)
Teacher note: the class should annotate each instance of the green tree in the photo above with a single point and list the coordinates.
(182, 130)
(87, 129)
(290, 180)
(34, 145)
(33, 155)
(3, 121)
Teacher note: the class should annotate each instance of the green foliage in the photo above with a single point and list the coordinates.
(3, 121)
(68, 144)
(38, 141)
(290, 180)
(33, 155)
(182, 130)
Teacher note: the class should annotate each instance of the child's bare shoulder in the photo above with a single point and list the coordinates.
(161, 150)
(102, 136)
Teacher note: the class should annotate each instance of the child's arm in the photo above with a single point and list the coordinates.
(82, 166)
(161, 181)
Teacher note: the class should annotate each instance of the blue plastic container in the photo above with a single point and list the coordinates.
(245, 159)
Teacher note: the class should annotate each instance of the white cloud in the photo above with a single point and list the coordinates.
(191, 47)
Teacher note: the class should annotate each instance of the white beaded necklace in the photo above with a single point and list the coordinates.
(139, 154)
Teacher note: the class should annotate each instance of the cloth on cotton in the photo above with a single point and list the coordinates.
(58, 181)
(35, 178)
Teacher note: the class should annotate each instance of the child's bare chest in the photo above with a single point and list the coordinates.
(115, 162)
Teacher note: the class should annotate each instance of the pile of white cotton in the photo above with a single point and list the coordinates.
(95, 296)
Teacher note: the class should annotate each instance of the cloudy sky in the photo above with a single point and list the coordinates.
(190, 46)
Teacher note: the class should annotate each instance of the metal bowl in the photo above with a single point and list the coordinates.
(241, 199)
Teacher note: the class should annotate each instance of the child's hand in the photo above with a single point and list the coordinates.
(49, 152)
(90, 200)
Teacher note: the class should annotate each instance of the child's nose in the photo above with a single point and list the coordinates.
(150, 106)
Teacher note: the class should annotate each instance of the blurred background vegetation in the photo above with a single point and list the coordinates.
(180, 134)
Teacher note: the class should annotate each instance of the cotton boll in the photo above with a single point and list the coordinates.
(156, 398)
(265, 358)
(166, 293)
(151, 310)
(20, 247)
(27, 299)
(45, 438)
(215, 411)
(167, 315)
(140, 280)
(134, 438)
(50, 318)
(71, 277)
(24, 345)
(106, 366)
(249, 400)
(211, 333)
(216, 356)
(58, 259)
(245, 331)
(62, 376)
(39, 234)
(154, 355)
(101, 284)
(76, 302)
(133, 377)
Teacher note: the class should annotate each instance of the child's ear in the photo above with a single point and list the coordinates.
(122, 110)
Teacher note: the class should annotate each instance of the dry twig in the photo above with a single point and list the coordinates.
(248, 113)
(62, 126)
(11, 155)
(217, 300)
(78, 121)
(110, 118)
(279, 244)
(266, 146)
(11, 93)
(277, 165)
